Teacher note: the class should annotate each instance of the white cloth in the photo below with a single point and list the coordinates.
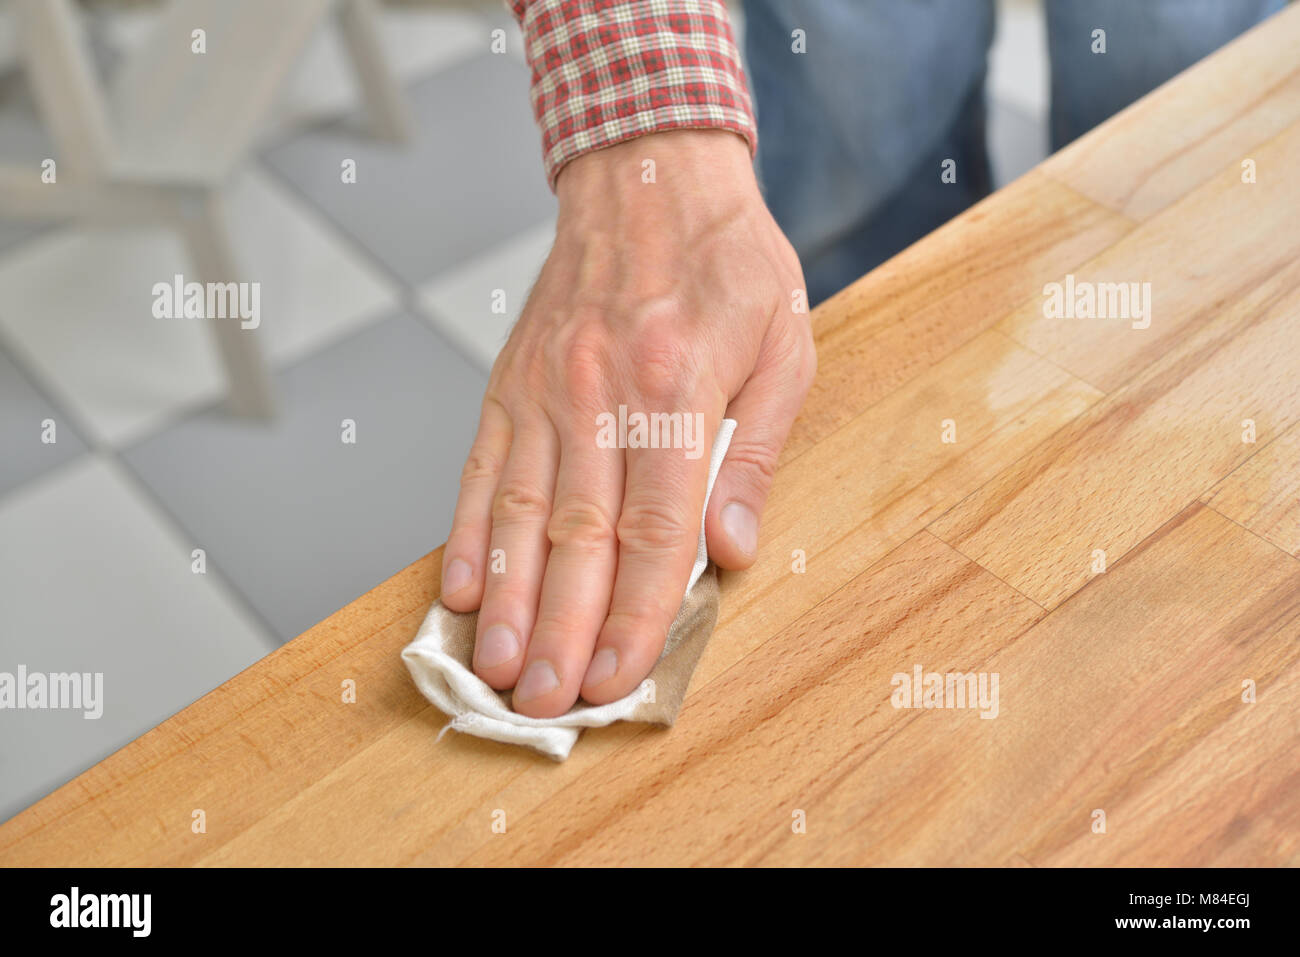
(475, 708)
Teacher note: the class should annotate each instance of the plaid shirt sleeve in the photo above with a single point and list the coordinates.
(604, 71)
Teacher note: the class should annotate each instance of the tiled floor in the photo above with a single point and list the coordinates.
(21, 141)
(77, 308)
(299, 520)
(462, 302)
(409, 206)
(96, 579)
(377, 302)
(33, 434)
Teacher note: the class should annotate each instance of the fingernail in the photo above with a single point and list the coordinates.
(603, 667)
(497, 646)
(539, 679)
(456, 576)
(741, 526)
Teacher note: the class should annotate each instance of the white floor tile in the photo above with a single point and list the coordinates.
(321, 83)
(76, 308)
(459, 303)
(92, 579)
(1017, 141)
(1018, 64)
(417, 42)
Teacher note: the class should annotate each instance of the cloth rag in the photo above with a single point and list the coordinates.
(441, 655)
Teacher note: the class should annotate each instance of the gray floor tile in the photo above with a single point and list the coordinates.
(12, 233)
(300, 522)
(471, 178)
(22, 143)
(23, 409)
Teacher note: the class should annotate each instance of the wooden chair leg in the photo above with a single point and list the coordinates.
(385, 106)
(212, 258)
(64, 83)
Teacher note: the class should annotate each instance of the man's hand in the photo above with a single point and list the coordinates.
(673, 296)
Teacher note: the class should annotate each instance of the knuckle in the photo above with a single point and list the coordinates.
(754, 458)
(582, 358)
(663, 367)
(467, 534)
(652, 526)
(639, 621)
(519, 502)
(480, 465)
(580, 524)
(502, 594)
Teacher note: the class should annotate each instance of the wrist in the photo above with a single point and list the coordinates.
(673, 172)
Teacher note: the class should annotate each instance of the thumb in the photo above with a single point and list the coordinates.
(764, 410)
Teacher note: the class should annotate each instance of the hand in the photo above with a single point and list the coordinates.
(675, 296)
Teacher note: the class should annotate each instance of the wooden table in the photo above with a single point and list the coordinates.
(1120, 691)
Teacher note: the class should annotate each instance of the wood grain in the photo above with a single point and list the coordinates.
(875, 482)
(1179, 135)
(1128, 465)
(958, 463)
(916, 309)
(1194, 273)
(1117, 689)
(827, 709)
(1263, 493)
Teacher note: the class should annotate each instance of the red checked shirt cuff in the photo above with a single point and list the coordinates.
(604, 71)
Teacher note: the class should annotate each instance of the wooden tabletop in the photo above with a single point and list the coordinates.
(1124, 692)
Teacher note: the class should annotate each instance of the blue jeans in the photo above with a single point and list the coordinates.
(853, 132)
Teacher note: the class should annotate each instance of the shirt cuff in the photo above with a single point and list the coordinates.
(605, 71)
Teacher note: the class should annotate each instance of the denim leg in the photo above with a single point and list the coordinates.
(852, 132)
(1147, 42)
